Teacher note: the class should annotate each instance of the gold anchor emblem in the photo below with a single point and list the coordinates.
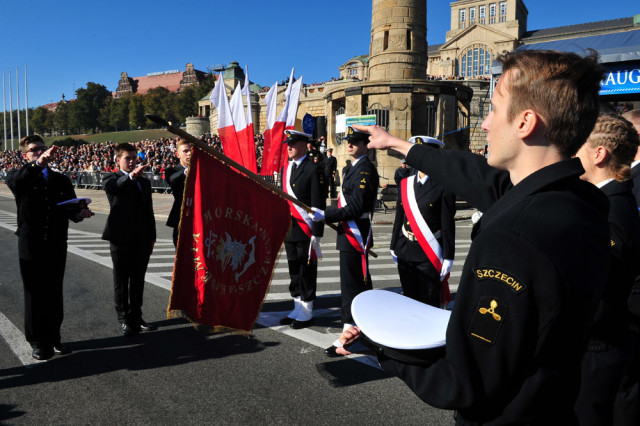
(492, 311)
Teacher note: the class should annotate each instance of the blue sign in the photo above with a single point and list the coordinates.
(308, 123)
(621, 78)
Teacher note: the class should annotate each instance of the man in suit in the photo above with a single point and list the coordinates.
(302, 179)
(131, 230)
(42, 242)
(423, 237)
(175, 177)
(355, 213)
(330, 167)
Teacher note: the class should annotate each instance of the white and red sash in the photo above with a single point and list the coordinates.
(354, 236)
(421, 230)
(298, 214)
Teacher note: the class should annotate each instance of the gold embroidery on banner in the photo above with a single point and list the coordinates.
(492, 311)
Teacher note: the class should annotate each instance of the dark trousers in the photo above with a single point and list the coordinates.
(420, 281)
(601, 374)
(303, 275)
(331, 185)
(43, 304)
(129, 267)
(626, 410)
(175, 236)
(352, 282)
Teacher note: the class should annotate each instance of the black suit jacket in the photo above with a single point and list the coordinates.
(41, 222)
(360, 189)
(438, 208)
(131, 217)
(175, 178)
(307, 183)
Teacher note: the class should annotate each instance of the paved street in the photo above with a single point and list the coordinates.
(180, 375)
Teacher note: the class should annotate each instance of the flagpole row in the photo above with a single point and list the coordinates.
(220, 156)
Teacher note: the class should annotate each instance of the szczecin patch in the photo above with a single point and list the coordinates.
(516, 285)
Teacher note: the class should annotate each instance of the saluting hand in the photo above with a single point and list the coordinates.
(47, 156)
(381, 139)
(137, 172)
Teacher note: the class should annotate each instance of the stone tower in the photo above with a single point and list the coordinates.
(398, 49)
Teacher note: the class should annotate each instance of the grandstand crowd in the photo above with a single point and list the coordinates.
(101, 157)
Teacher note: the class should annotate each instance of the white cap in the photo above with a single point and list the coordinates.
(424, 140)
(398, 322)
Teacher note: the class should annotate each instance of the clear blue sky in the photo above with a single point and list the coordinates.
(66, 44)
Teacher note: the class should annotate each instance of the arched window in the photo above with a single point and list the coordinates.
(475, 61)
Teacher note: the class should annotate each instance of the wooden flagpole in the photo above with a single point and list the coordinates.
(220, 156)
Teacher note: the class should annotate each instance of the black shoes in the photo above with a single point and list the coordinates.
(297, 325)
(61, 349)
(287, 321)
(145, 326)
(128, 330)
(331, 352)
(42, 353)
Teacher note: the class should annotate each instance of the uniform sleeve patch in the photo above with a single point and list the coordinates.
(487, 321)
(516, 285)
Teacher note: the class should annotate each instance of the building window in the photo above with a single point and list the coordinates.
(385, 44)
(463, 18)
(492, 13)
(409, 41)
(482, 14)
(472, 15)
(475, 62)
(503, 11)
(353, 70)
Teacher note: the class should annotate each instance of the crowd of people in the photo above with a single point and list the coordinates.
(158, 154)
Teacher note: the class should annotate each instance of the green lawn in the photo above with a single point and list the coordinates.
(117, 137)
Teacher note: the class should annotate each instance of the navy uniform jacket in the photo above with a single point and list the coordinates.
(610, 322)
(131, 217)
(40, 220)
(438, 208)
(634, 300)
(360, 189)
(307, 183)
(529, 288)
(175, 177)
(330, 165)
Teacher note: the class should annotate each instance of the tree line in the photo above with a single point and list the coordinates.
(95, 110)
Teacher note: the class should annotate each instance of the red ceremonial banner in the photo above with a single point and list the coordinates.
(231, 230)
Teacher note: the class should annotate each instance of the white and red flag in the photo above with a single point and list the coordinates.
(226, 128)
(245, 140)
(272, 157)
(251, 149)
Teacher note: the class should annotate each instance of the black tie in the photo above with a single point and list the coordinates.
(294, 166)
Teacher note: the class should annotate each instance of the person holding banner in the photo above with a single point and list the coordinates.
(538, 265)
(131, 232)
(302, 179)
(175, 177)
(355, 213)
(423, 236)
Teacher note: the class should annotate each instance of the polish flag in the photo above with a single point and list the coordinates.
(292, 110)
(251, 149)
(272, 159)
(240, 124)
(226, 128)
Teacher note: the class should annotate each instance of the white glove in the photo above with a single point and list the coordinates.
(317, 216)
(315, 245)
(446, 268)
(393, 256)
(476, 217)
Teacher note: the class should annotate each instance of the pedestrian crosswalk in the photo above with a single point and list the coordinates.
(384, 272)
